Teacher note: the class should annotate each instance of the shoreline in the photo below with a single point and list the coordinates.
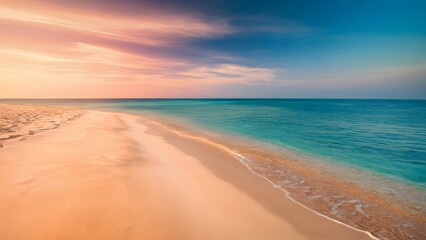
(117, 159)
(397, 224)
(286, 193)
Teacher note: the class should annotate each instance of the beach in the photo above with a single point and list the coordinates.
(105, 175)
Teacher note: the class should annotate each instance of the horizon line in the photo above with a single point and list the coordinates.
(217, 98)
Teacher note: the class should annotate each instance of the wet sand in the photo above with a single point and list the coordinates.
(118, 176)
(20, 121)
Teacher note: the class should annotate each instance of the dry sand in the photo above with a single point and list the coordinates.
(117, 176)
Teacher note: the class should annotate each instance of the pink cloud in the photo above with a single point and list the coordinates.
(148, 29)
(50, 51)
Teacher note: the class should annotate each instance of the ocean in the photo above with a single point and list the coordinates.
(377, 144)
(383, 136)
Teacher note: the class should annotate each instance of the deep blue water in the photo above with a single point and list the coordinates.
(383, 136)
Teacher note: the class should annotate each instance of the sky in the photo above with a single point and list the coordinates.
(213, 49)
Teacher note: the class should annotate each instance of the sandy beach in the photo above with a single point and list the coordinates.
(99, 175)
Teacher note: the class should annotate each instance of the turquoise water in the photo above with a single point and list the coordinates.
(382, 136)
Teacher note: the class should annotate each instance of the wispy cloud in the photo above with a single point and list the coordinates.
(230, 73)
(146, 28)
(108, 70)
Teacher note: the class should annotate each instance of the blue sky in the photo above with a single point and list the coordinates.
(317, 39)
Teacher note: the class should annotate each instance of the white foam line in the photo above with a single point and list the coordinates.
(287, 194)
(239, 157)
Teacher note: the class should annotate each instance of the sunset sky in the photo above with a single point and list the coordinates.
(142, 49)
